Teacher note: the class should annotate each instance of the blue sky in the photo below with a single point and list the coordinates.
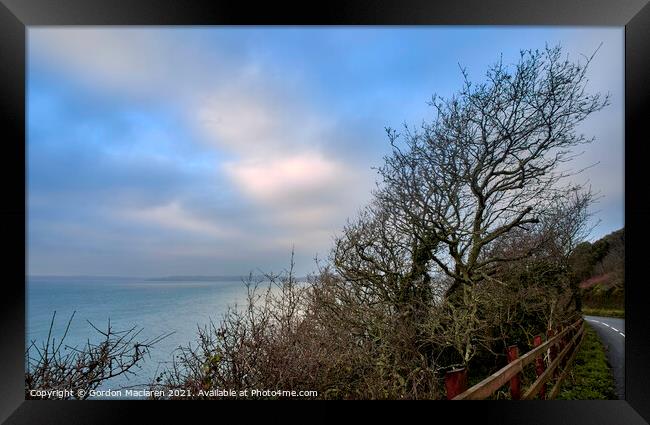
(157, 151)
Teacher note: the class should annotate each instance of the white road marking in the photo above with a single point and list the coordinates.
(611, 327)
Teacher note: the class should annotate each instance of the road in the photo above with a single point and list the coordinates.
(612, 333)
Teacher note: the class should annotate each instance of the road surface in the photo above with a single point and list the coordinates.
(611, 331)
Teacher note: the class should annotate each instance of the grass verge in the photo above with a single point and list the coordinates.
(590, 377)
(606, 312)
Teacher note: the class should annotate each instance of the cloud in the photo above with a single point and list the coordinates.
(174, 216)
(281, 157)
(248, 123)
(283, 179)
(141, 63)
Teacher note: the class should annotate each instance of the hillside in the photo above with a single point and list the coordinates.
(599, 268)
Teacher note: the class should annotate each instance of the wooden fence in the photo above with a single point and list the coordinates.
(560, 347)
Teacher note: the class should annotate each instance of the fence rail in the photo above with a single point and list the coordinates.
(561, 349)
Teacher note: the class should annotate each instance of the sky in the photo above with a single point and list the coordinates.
(155, 151)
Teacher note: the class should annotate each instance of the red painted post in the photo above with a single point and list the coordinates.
(539, 365)
(515, 381)
(455, 382)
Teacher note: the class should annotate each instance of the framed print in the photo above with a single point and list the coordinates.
(366, 201)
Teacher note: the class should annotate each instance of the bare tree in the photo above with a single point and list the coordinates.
(492, 161)
(57, 366)
(382, 262)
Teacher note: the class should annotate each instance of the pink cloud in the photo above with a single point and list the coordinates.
(277, 179)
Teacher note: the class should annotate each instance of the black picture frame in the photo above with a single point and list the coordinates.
(17, 15)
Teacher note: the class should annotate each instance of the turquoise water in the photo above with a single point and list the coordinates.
(157, 307)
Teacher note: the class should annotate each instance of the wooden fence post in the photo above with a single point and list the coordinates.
(539, 365)
(515, 381)
(544, 355)
(455, 382)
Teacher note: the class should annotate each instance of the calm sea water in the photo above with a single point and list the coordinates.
(157, 307)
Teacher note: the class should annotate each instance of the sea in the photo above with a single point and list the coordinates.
(155, 307)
